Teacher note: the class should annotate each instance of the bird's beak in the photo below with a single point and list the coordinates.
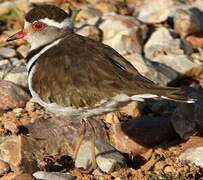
(18, 35)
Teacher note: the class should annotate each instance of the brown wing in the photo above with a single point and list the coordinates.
(80, 72)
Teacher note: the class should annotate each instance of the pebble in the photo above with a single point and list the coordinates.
(53, 176)
(193, 142)
(7, 52)
(153, 71)
(4, 168)
(24, 176)
(17, 75)
(88, 13)
(12, 96)
(131, 110)
(193, 155)
(10, 176)
(11, 126)
(195, 41)
(4, 62)
(123, 33)
(17, 151)
(92, 32)
(17, 62)
(155, 11)
(105, 6)
(23, 5)
(42, 1)
(198, 4)
(23, 50)
(108, 159)
(160, 165)
(5, 7)
(187, 23)
(179, 63)
(162, 43)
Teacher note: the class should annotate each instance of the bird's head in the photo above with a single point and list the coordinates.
(43, 24)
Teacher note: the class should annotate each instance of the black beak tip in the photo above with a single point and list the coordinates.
(10, 39)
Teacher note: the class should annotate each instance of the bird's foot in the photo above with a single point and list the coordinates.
(83, 127)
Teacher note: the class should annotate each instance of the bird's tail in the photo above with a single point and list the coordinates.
(175, 94)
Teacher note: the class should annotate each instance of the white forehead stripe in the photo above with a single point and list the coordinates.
(65, 23)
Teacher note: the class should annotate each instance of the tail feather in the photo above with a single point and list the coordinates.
(175, 94)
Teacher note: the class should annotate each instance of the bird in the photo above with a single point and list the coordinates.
(75, 76)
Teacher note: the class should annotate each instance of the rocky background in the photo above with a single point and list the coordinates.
(155, 139)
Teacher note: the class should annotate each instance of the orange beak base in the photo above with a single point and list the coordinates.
(18, 35)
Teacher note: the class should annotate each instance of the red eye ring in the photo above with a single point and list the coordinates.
(38, 26)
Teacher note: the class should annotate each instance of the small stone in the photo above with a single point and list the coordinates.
(4, 62)
(105, 6)
(52, 176)
(17, 151)
(23, 50)
(12, 96)
(159, 166)
(4, 168)
(17, 62)
(136, 136)
(6, 7)
(107, 158)
(186, 23)
(111, 118)
(88, 13)
(42, 1)
(130, 110)
(123, 33)
(161, 43)
(24, 176)
(193, 142)
(7, 52)
(155, 11)
(169, 169)
(198, 4)
(18, 111)
(193, 155)
(17, 75)
(92, 32)
(195, 41)
(152, 70)
(10, 176)
(11, 126)
(180, 64)
(23, 5)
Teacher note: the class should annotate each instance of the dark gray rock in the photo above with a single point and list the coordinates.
(187, 119)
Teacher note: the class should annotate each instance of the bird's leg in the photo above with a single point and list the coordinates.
(93, 143)
(81, 138)
(84, 124)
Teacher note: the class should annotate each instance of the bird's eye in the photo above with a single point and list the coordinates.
(38, 26)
